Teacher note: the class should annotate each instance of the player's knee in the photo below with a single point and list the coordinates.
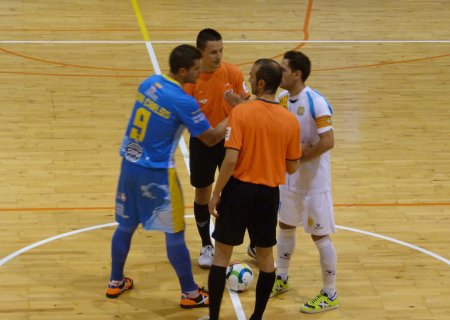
(321, 241)
(286, 226)
(203, 195)
(127, 229)
(175, 239)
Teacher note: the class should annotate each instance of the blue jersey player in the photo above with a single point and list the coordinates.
(149, 192)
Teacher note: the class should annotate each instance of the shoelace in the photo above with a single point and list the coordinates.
(203, 290)
(317, 298)
(207, 251)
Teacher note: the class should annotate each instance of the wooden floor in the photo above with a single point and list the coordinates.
(64, 108)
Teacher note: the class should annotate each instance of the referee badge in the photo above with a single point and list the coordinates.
(301, 111)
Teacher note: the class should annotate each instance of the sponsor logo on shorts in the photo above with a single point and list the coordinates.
(120, 210)
(318, 226)
(203, 101)
(121, 196)
(301, 111)
(310, 222)
(133, 152)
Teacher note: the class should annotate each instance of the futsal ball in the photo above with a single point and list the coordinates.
(239, 277)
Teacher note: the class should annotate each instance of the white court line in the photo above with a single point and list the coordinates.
(399, 242)
(231, 41)
(15, 254)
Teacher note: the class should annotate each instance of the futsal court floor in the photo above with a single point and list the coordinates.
(69, 71)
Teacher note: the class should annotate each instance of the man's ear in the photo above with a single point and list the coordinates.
(298, 75)
(182, 72)
(261, 84)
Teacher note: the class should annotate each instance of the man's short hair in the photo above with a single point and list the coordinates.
(299, 61)
(207, 35)
(270, 71)
(183, 56)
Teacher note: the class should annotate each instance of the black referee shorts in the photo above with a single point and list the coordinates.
(204, 161)
(245, 205)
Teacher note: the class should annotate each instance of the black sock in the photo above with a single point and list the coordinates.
(202, 217)
(263, 290)
(216, 286)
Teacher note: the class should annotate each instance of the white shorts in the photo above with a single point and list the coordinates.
(312, 211)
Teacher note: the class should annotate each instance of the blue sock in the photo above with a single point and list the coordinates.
(121, 242)
(179, 258)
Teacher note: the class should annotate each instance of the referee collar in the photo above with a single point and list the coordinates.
(264, 100)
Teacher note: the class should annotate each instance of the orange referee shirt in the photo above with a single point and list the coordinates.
(210, 88)
(266, 134)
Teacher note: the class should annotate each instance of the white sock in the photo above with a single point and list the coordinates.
(328, 261)
(285, 250)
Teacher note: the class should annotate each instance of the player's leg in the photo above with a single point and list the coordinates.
(192, 295)
(217, 278)
(203, 221)
(290, 216)
(320, 207)
(229, 232)
(202, 169)
(128, 220)
(328, 262)
(120, 247)
(262, 229)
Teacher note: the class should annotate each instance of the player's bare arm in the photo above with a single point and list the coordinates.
(226, 170)
(213, 135)
(325, 143)
(292, 166)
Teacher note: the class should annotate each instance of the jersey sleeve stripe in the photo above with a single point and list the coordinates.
(329, 107)
(311, 106)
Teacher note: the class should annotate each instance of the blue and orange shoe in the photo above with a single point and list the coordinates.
(115, 289)
(200, 301)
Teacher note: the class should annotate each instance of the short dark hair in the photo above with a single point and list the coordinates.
(183, 56)
(207, 35)
(270, 71)
(299, 61)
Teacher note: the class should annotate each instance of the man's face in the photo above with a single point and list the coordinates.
(193, 72)
(287, 81)
(252, 79)
(212, 55)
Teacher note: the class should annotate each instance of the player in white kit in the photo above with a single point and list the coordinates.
(305, 198)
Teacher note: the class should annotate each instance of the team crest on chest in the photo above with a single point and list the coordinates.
(301, 111)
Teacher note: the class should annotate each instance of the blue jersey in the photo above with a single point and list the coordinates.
(161, 112)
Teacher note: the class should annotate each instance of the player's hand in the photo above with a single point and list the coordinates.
(233, 99)
(213, 203)
(305, 147)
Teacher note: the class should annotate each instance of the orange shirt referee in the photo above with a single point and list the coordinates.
(263, 143)
(216, 78)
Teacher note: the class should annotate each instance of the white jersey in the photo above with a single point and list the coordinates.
(314, 115)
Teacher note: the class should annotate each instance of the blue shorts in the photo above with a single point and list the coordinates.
(149, 196)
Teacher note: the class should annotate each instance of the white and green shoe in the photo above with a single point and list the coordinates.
(279, 286)
(321, 303)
